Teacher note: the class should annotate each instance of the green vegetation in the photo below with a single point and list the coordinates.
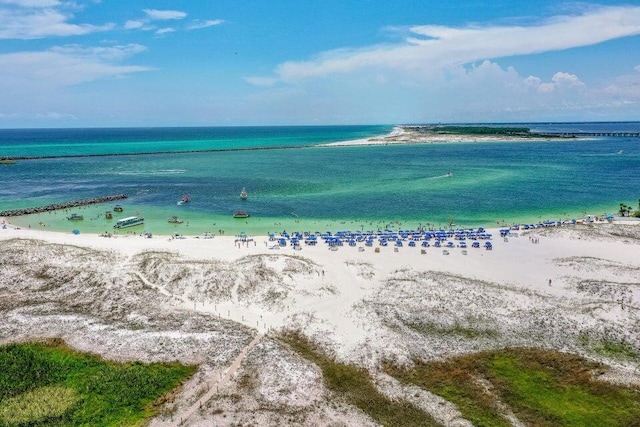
(627, 210)
(614, 349)
(37, 405)
(457, 329)
(541, 387)
(48, 384)
(482, 130)
(354, 385)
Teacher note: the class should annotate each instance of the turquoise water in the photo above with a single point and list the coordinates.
(306, 187)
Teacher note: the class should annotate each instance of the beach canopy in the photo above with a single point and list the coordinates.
(76, 231)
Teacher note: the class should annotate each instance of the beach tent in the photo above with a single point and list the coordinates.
(76, 231)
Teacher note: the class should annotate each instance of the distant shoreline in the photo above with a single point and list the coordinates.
(403, 134)
(426, 135)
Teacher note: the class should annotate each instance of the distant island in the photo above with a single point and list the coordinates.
(479, 130)
(421, 134)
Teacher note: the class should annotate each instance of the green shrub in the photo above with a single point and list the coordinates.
(541, 387)
(354, 385)
(76, 389)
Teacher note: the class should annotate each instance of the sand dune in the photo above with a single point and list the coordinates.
(205, 300)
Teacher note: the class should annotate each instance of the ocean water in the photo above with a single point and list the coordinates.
(298, 185)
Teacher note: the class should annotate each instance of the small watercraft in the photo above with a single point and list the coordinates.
(75, 217)
(108, 215)
(244, 194)
(185, 199)
(117, 208)
(175, 220)
(241, 214)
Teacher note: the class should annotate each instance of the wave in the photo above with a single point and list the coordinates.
(153, 172)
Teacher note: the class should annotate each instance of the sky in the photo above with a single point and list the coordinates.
(116, 63)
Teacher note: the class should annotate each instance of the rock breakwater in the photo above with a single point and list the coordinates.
(66, 205)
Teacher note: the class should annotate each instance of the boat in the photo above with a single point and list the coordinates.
(449, 175)
(244, 194)
(175, 220)
(241, 214)
(129, 222)
(108, 215)
(117, 208)
(75, 217)
(185, 199)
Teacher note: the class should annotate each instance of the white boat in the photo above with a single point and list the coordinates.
(241, 214)
(244, 194)
(129, 222)
(175, 220)
(75, 217)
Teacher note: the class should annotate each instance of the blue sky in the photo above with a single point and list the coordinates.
(291, 62)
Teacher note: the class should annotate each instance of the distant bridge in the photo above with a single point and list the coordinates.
(633, 134)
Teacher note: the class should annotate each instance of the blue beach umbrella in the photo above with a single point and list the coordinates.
(76, 231)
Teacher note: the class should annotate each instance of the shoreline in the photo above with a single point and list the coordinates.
(405, 134)
(195, 229)
(400, 134)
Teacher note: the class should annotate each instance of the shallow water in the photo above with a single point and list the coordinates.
(320, 188)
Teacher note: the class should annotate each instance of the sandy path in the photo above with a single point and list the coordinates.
(213, 385)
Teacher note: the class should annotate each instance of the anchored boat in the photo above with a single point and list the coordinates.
(243, 194)
(129, 222)
(241, 214)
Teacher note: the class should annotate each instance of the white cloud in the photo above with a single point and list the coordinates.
(625, 87)
(64, 66)
(261, 81)
(106, 54)
(560, 80)
(198, 24)
(133, 25)
(53, 115)
(165, 31)
(163, 15)
(42, 23)
(32, 3)
(436, 47)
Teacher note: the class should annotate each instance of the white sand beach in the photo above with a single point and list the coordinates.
(221, 303)
(411, 135)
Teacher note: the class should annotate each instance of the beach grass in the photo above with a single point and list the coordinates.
(355, 387)
(539, 387)
(482, 130)
(47, 383)
(458, 329)
(617, 349)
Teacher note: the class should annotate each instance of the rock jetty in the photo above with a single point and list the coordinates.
(66, 205)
